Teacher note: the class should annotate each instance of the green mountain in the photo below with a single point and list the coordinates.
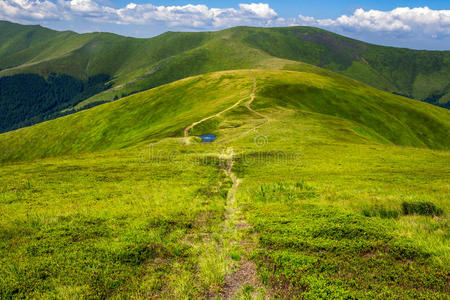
(128, 65)
(164, 112)
(317, 186)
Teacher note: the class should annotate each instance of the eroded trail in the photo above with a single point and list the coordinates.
(236, 181)
(248, 106)
(243, 273)
(252, 97)
(187, 129)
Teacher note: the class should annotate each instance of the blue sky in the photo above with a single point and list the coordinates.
(318, 9)
(412, 24)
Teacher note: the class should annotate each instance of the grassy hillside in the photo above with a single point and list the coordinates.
(417, 74)
(15, 38)
(146, 116)
(316, 187)
(147, 63)
(84, 55)
(165, 111)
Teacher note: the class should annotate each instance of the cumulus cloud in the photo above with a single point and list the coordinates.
(415, 21)
(198, 16)
(190, 16)
(260, 10)
(23, 10)
(419, 20)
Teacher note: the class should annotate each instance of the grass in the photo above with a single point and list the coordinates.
(361, 112)
(108, 225)
(421, 208)
(322, 243)
(88, 209)
(148, 116)
(148, 63)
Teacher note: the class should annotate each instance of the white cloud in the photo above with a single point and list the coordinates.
(413, 21)
(198, 16)
(259, 10)
(23, 10)
(174, 16)
(419, 20)
(189, 16)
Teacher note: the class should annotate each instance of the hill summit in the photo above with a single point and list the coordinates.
(101, 67)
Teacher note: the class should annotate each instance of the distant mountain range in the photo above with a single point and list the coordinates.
(74, 71)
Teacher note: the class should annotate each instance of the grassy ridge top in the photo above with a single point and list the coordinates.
(146, 116)
(375, 116)
(147, 63)
(378, 116)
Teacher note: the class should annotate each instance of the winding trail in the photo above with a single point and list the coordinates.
(245, 273)
(228, 169)
(187, 129)
(247, 105)
(252, 98)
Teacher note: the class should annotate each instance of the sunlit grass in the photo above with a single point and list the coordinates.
(319, 208)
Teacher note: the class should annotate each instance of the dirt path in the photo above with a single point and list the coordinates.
(252, 96)
(245, 274)
(186, 130)
(247, 105)
(229, 157)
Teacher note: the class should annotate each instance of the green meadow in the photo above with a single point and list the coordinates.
(317, 186)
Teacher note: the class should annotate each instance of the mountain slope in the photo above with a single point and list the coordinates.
(387, 68)
(317, 186)
(374, 116)
(139, 64)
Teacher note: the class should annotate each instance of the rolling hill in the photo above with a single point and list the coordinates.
(321, 182)
(148, 63)
(164, 112)
(317, 186)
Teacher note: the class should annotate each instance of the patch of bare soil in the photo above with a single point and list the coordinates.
(245, 275)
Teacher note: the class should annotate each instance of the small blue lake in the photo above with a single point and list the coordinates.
(208, 138)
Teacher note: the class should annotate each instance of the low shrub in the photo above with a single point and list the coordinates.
(421, 208)
(382, 212)
(138, 253)
(284, 191)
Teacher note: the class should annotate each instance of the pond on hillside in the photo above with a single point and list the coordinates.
(208, 138)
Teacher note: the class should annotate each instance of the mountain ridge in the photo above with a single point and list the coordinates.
(164, 112)
(135, 64)
(288, 37)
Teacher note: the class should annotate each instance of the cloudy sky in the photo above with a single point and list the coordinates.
(412, 24)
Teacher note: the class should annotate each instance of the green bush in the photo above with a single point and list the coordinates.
(421, 208)
(139, 253)
(382, 212)
(284, 191)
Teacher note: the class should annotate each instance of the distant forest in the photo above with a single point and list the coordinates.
(27, 99)
(434, 99)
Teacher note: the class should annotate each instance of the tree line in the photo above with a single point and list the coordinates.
(27, 99)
